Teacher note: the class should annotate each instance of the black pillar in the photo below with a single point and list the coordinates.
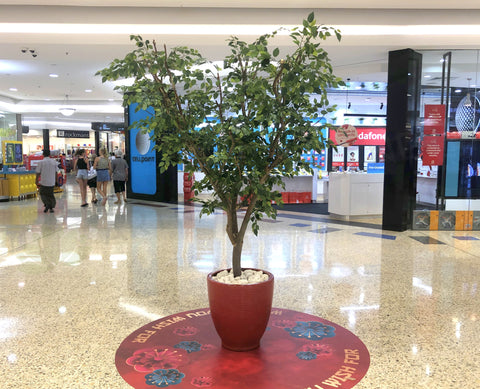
(18, 118)
(401, 147)
(97, 142)
(46, 139)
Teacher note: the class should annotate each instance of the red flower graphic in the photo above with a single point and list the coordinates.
(185, 331)
(203, 382)
(161, 357)
(322, 350)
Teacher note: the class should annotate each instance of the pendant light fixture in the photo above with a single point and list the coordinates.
(65, 110)
(468, 101)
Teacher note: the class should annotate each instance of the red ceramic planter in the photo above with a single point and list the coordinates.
(240, 313)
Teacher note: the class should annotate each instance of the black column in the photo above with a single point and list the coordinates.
(97, 142)
(46, 139)
(401, 150)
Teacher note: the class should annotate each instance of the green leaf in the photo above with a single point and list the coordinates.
(242, 130)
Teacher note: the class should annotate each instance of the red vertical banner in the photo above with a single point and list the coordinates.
(434, 119)
(432, 150)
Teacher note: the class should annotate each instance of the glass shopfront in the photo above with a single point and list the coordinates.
(448, 173)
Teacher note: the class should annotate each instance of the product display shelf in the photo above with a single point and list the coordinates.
(4, 188)
(21, 184)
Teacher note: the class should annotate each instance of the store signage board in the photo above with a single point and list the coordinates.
(373, 167)
(432, 150)
(108, 126)
(73, 134)
(143, 165)
(434, 119)
(374, 136)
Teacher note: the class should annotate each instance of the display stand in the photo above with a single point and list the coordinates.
(20, 184)
(355, 194)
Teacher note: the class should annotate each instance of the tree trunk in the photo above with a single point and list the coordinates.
(236, 235)
(237, 257)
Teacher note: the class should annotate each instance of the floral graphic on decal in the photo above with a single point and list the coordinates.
(312, 330)
(185, 331)
(320, 350)
(203, 382)
(160, 357)
(282, 323)
(306, 355)
(190, 347)
(206, 347)
(163, 378)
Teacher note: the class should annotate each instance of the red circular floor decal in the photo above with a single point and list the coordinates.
(298, 350)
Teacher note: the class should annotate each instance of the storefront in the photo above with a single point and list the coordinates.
(448, 173)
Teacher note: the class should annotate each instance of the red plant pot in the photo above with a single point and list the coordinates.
(240, 313)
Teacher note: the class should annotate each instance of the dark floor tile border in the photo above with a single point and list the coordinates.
(426, 240)
(465, 238)
(372, 235)
(325, 230)
(300, 225)
(311, 218)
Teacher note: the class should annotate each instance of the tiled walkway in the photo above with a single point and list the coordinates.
(76, 283)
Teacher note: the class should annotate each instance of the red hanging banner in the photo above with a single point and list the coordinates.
(434, 119)
(432, 150)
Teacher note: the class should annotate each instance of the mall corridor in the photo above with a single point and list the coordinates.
(75, 283)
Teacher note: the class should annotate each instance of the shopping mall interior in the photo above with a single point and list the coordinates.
(84, 288)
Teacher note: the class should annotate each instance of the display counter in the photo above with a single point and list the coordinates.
(4, 189)
(20, 183)
(355, 194)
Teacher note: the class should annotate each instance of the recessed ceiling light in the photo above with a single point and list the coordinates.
(13, 89)
(110, 99)
(427, 76)
(458, 90)
(88, 90)
(53, 75)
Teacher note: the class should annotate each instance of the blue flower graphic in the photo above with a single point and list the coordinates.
(306, 355)
(312, 330)
(163, 378)
(190, 347)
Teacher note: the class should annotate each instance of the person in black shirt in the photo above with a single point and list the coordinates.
(81, 167)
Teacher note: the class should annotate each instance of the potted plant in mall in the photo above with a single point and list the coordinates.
(244, 124)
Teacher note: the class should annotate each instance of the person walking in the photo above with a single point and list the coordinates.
(80, 165)
(104, 171)
(119, 176)
(46, 178)
(92, 180)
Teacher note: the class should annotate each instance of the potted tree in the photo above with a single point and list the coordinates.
(244, 125)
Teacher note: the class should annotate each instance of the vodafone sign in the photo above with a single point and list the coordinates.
(366, 136)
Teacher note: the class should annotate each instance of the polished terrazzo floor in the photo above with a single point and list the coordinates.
(74, 284)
